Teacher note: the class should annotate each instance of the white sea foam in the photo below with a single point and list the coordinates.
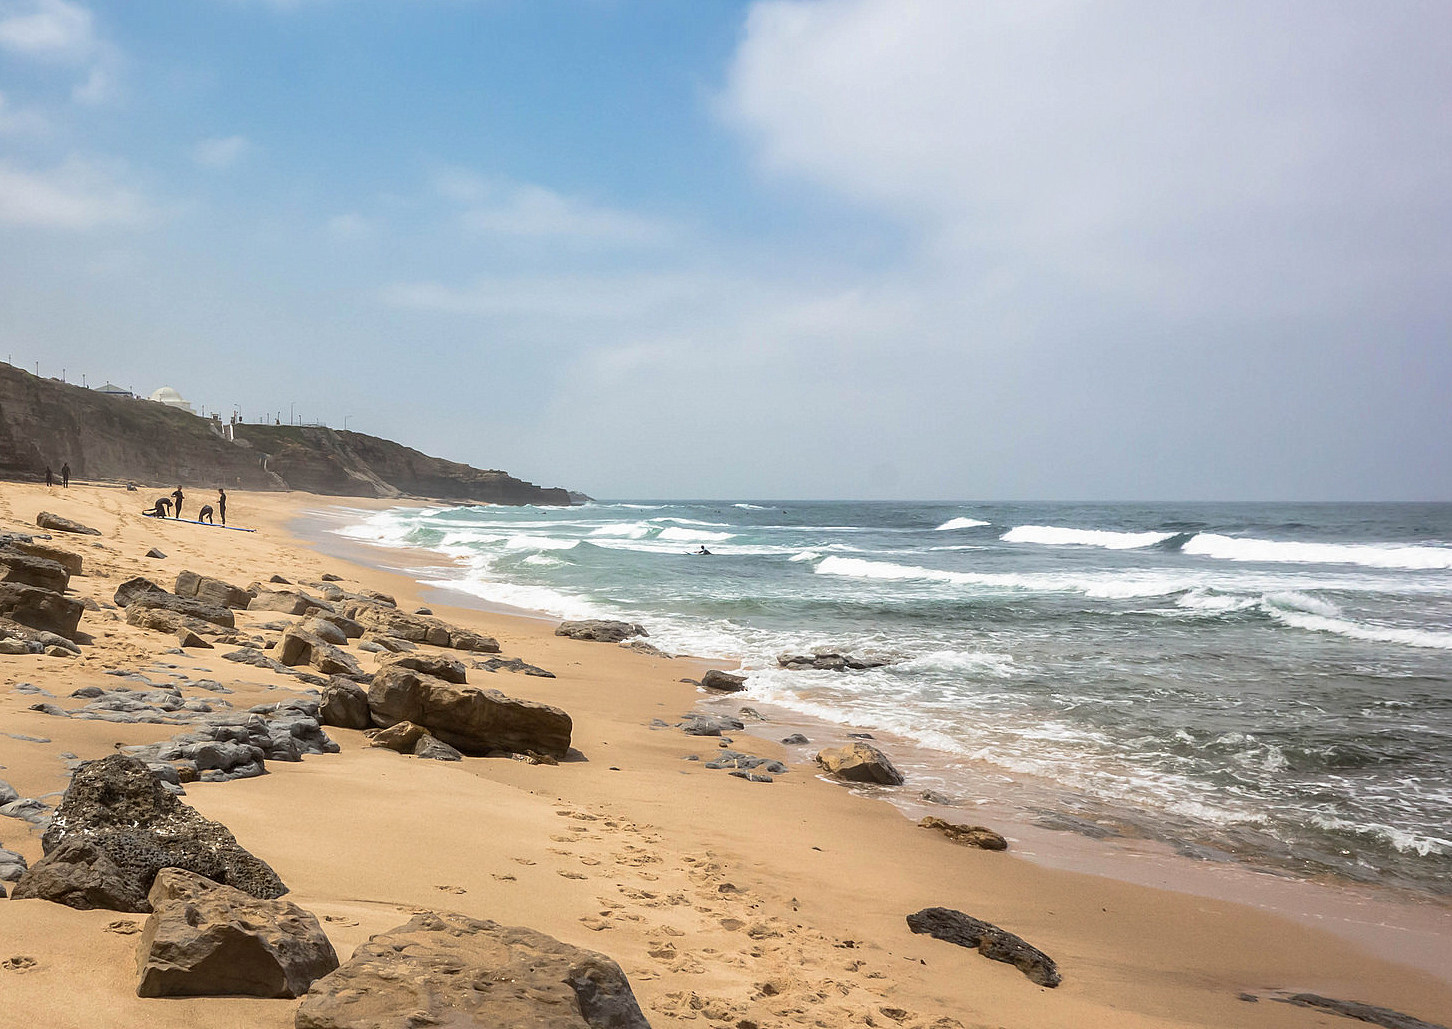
(1055, 536)
(806, 555)
(543, 561)
(960, 523)
(1232, 548)
(1110, 586)
(693, 535)
(540, 543)
(749, 507)
(1214, 603)
(1361, 631)
(628, 530)
(973, 661)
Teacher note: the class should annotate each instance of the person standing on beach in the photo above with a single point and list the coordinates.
(222, 504)
(49, 476)
(176, 503)
(66, 476)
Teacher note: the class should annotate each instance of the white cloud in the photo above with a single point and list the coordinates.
(566, 298)
(350, 226)
(526, 210)
(53, 29)
(220, 151)
(77, 195)
(98, 87)
(17, 121)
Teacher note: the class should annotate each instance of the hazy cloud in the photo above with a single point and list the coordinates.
(522, 209)
(220, 151)
(76, 195)
(51, 29)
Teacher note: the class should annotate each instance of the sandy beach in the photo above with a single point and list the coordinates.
(726, 902)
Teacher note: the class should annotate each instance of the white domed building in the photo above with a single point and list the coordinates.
(171, 398)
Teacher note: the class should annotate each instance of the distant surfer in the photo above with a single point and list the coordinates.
(66, 475)
(49, 476)
(177, 497)
(703, 552)
(205, 514)
(222, 505)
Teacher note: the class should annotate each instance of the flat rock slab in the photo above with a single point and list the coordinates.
(119, 822)
(207, 940)
(600, 630)
(33, 571)
(859, 762)
(40, 609)
(211, 591)
(989, 940)
(1385, 1017)
(970, 835)
(444, 969)
(56, 523)
(473, 720)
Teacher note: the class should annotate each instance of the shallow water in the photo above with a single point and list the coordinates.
(1268, 682)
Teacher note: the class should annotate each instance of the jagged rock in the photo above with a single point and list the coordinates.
(859, 762)
(118, 815)
(402, 737)
(330, 577)
(159, 619)
(1385, 1017)
(237, 745)
(39, 608)
(434, 749)
(378, 598)
(27, 809)
(39, 572)
(389, 621)
(345, 704)
(598, 630)
(392, 644)
(829, 660)
(989, 940)
(972, 835)
(325, 631)
(189, 606)
(12, 866)
(129, 590)
(286, 601)
(22, 639)
(55, 523)
(350, 629)
(300, 647)
(697, 724)
(474, 720)
(513, 664)
(430, 970)
(208, 940)
(723, 682)
(187, 638)
(153, 552)
(211, 591)
(72, 563)
(8, 793)
(642, 647)
(430, 664)
(795, 739)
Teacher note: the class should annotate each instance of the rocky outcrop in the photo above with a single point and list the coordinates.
(829, 660)
(989, 940)
(129, 590)
(475, 721)
(119, 823)
(723, 682)
(236, 745)
(211, 591)
(439, 667)
(187, 606)
(345, 704)
(71, 562)
(859, 762)
(12, 865)
(300, 647)
(598, 630)
(429, 971)
(27, 570)
(388, 621)
(22, 639)
(207, 940)
(106, 437)
(970, 835)
(55, 523)
(40, 609)
(1385, 1017)
(287, 602)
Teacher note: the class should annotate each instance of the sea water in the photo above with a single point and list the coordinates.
(1268, 683)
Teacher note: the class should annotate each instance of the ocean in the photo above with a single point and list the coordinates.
(1260, 683)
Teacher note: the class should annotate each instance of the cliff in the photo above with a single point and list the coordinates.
(44, 422)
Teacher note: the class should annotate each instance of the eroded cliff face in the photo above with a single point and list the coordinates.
(44, 422)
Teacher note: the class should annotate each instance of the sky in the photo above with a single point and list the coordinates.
(897, 249)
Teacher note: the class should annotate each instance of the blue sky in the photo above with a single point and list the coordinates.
(791, 248)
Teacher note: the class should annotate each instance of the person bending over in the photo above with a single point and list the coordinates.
(205, 514)
(158, 510)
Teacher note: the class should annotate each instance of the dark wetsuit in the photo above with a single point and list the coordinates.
(159, 509)
(176, 502)
(66, 475)
(222, 505)
(205, 514)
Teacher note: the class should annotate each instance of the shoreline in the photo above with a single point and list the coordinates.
(1396, 923)
(705, 888)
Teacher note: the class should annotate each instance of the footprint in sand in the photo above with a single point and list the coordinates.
(572, 875)
(523, 861)
(340, 919)
(19, 963)
(123, 928)
(597, 924)
(451, 889)
(505, 878)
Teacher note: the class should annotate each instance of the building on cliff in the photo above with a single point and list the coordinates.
(171, 398)
(113, 390)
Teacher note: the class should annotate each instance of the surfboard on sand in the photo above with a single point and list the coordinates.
(208, 525)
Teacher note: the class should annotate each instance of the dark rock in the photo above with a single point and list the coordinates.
(208, 940)
(402, 737)
(430, 664)
(434, 749)
(829, 660)
(513, 664)
(697, 724)
(642, 647)
(188, 638)
(350, 629)
(795, 739)
(423, 611)
(159, 619)
(153, 552)
(129, 590)
(286, 601)
(389, 621)
(723, 682)
(54, 710)
(988, 939)
(55, 523)
(330, 577)
(72, 563)
(87, 692)
(189, 606)
(32, 571)
(859, 762)
(345, 704)
(258, 659)
(279, 579)
(119, 810)
(40, 609)
(474, 720)
(81, 874)
(300, 647)
(1385, 1017)
(391, 644)
(934, 797)
(211, 591)
(596, 630)
(971, 835)
(12, 866)
(447, 969)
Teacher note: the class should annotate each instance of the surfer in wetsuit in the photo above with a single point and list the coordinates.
(222, 504)
(159, 509)
(703, 552)
(205, 514)
(177, 496)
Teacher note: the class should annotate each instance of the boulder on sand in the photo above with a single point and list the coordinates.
(188, 606)
(40, 609)
(435, 632)
(448, 969)
(345, 704)
(971, 835)
(211, 591)
(55, 523)
(33, 571)
(300, 647)
(129, 590)
(723, 682)
(474, 720)
(208, 940)
(128, 818)
(438, 666)
(72, 563)
(599, 630)
(286, 601)
(859, 762)
(989, 940)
